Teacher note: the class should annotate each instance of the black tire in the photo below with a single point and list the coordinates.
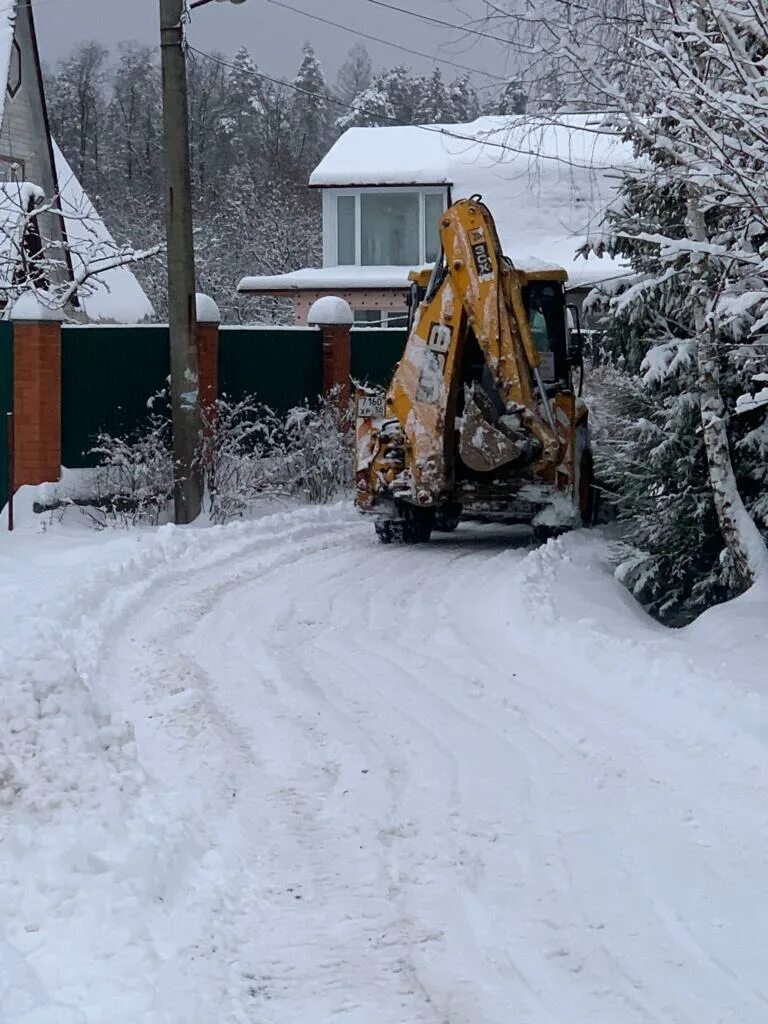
(385, 530)
(448, 517)
(411, 526)
(588, 495)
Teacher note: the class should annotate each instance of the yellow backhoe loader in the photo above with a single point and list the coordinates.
(481, 420)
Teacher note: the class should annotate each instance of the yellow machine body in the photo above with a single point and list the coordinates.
(480, 419)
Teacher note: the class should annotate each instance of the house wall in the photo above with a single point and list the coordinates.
(24, 132)
(330, 248)
(394, 299)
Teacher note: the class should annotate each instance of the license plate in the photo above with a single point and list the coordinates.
(370, 407)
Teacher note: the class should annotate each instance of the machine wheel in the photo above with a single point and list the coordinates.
(587, 490)
(447, 517)
(411, 526)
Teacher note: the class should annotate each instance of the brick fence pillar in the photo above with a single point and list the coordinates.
(334, 318)
(36, 391)
(208, 320)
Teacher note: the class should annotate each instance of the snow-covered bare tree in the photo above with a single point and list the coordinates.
(134, 152)
(76, 108)
(355, 74)
(60, 273)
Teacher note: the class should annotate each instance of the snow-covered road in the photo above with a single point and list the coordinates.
(466, 783)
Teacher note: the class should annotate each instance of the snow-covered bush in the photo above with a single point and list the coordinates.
(134, 478)
(247, 452)
(241, 456)
(319, 449)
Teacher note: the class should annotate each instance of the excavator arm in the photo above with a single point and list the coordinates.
(468, 392)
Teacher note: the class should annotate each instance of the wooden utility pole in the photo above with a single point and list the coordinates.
(185, 406)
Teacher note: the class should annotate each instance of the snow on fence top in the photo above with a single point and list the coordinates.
(547, 182)
(328, 310)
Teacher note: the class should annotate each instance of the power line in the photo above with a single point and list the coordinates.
(385, 42)
(435, 129)
(439, 21)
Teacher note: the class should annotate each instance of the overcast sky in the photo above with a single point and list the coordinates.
(275, 35)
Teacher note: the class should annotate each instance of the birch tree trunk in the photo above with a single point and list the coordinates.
(743, 541)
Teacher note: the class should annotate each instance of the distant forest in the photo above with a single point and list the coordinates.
(254, 143)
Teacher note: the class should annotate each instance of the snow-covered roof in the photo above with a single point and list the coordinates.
(115, 294)
(17, 198)
(547, 182)
(325, 278)
(352, 278)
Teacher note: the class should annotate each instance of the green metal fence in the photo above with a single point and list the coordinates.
(108, 374)
(375, 352)
(6, 402)
(281, 366)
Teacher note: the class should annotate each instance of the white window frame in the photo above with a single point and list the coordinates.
(331, 220)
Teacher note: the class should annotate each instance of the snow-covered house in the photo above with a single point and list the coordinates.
(547, 185)
(67, 232)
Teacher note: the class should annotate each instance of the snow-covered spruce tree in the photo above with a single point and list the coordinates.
(311, 113)
(465, 105)
(694, 224)
(435, 103)
(512, 100)
(369, 109)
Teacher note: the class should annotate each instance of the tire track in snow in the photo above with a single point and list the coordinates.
(513, 845)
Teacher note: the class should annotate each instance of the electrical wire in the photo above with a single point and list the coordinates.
(385, 42)
(467, 29)
(433, 128)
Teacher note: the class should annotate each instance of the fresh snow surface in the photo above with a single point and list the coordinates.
(277, 772)
(330, 309)
(546, 181)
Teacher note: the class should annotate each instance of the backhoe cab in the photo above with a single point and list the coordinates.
(480, 420)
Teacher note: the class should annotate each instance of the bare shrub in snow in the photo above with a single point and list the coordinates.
(241, 455)
(134, 479)
(247, 452)
(319, 449)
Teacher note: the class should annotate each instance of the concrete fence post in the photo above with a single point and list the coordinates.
(36, 391)
(208, 321)
(334, 318)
